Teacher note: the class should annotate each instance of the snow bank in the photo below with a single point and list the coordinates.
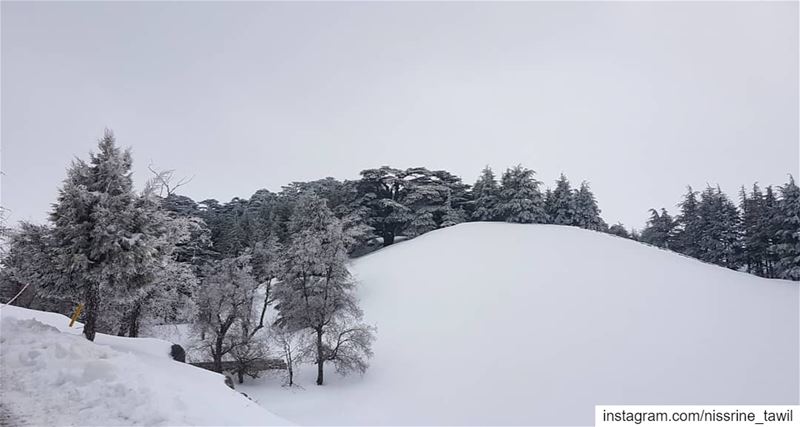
(51, 375)
(489, 323)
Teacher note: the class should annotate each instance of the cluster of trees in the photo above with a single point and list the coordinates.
(158, 257)
(270, 272)
(760, 236)
(388, 203)
(106, 247)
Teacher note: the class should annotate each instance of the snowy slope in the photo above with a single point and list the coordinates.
(51, 375)
(489, 323)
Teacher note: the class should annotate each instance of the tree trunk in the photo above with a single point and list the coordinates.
(388, 239)
(133, 320)
(241, 376)
(320, 357)
(287, 351)
(91, 307)
(217, 354)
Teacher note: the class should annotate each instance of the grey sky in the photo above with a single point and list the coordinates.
(640, 99)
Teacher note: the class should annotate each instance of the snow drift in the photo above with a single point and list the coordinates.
(51, 375)
(489, 323)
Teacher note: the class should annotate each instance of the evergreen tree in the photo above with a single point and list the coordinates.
(409, 202)
(485, 193)
(619, 230)
(261, 216)
(768, 226)
(689, 229)
(719, 224)
(659, 230)
(520, 199)
(96, 246)
(755, 238)
(787, 232)
(162, 284)
(28, 267)
(587, 213)
(561, 204)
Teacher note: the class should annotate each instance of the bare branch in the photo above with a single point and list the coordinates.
(163, 180)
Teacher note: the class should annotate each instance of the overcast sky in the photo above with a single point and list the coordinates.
(640, 99)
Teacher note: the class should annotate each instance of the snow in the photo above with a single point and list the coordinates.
(51, 375)
(480, 323)
(491, 323)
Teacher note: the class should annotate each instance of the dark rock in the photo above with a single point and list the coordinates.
(177, 353)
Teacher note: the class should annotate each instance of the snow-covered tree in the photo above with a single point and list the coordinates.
(719, 224)
(520, 199)
(27, 266)
(291, 346)
(485, 194)
(560, 205)
(769, 226)
(316, 293)
(619, 230)
(409, 202)
(688, 231)
(266, 267)
(224, 306)
(163, 284)
(756, 239)
(248, 352)
(787, 232)
(97, 244)
(659, 230)
(382, 192)
(587, 213)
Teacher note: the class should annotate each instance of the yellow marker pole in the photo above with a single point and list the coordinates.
(75, 315)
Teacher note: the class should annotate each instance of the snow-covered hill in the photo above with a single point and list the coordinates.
(51, 375)
(489, 323)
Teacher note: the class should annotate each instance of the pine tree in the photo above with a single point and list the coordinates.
(162, 283)
(787, 232)
(520, 199)
(587, 213)
(485, 193)
(619, 230)
(719, 223)
(659, 230)
(689, 228)
(768, 226)
(560, 205)
(28, 267)
(409, 202)
(755, 239)
(96, 247)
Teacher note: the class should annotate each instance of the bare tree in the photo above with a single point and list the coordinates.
(163, 180)
(247, 354)
(225, 306)
(349, 346)
(291, 345)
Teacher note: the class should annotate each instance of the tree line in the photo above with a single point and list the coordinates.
(761, 235)
(268, 273)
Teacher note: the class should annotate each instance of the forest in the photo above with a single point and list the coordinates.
(270, 271)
